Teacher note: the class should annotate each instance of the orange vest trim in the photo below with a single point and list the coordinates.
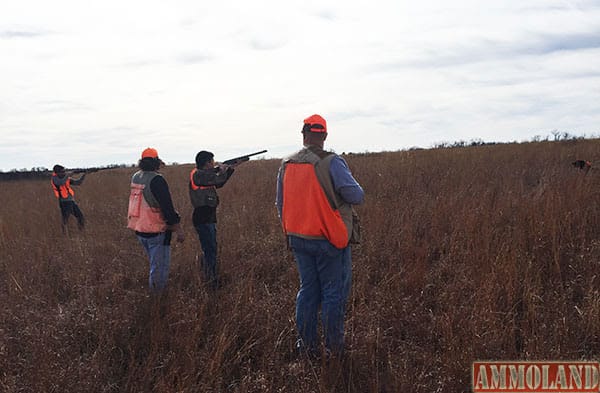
(306, 209)
(193, 185)
(62, 191)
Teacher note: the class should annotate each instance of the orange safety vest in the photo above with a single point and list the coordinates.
(63, 191)
(306, 210)
(196, 187)
(143, 213)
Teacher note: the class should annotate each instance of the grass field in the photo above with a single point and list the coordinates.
(478, 253)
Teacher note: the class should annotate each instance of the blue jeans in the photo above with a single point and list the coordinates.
(347, 264)
(207, 233)
(325, 280)
(160, 260)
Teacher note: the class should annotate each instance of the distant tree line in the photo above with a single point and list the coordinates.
(41, 173)
(553, 136)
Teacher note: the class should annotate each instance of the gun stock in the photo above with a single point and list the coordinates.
(240, 159)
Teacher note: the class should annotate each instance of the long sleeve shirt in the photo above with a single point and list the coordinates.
(206, 178)
(213, 177)
(160, 190)
(77, 182)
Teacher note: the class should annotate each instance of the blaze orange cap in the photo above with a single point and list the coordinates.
(315, 123)
(150, 153)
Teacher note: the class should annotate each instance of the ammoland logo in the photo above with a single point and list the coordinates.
(536, 377)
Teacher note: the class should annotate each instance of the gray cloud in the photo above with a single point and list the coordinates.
(512, 79)
(112, 137)
(182, 59)
(262, 44)
(326, 14)
(490, 50)
(13, 34)
(141, 63)
(268, 44)
(61, 106)
(194, 58)
(358, 113)
(548, 43)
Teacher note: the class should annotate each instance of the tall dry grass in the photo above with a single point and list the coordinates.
(488, 252)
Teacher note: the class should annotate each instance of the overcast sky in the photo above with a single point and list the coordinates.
(87, 83)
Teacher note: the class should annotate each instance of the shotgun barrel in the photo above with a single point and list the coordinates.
(240, 159)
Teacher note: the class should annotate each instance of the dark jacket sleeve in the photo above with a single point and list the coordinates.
(160, 190)
(212, 177)
(77, 182)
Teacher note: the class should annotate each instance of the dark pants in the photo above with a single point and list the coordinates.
(207, 233)
(70, 207)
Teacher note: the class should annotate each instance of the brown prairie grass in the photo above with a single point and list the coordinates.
(488, 252)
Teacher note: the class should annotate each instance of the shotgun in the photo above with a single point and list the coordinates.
(239, 160)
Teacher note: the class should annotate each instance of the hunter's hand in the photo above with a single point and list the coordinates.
(178, 231)
(222, 167)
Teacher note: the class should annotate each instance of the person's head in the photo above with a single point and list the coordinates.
(150, 160)
(314, 131)
(203, 158)
(59, 170)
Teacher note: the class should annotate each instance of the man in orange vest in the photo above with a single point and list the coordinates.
(204, 181)
(61, 185)
(315, 194)
(153, 218)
